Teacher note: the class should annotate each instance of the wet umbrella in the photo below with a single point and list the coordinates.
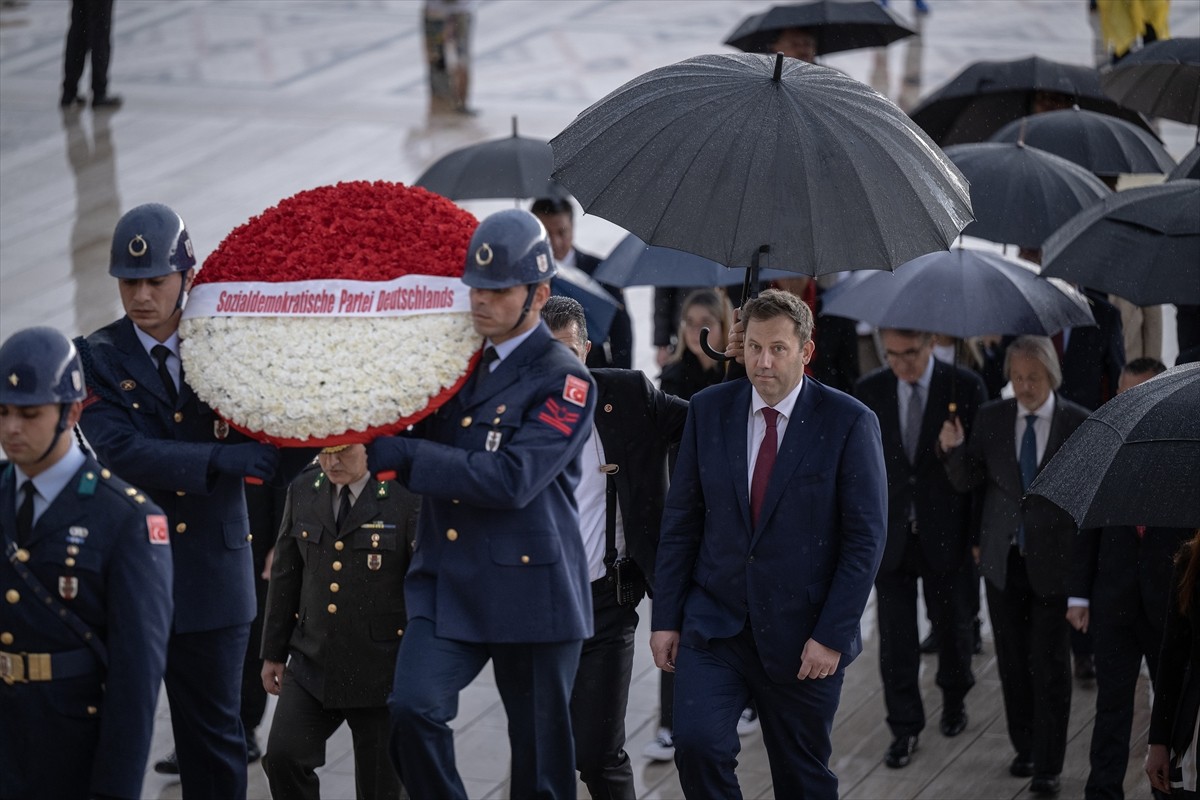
(837, 25)
(599, 307)
(735, 155)
(515, 166)
(1162, 80)
(963, 292)
(1021, 195)
(1133, 462)
(1188, 167)
(987, 94)
(634, 263)
(1141, 244)
(1101, 144)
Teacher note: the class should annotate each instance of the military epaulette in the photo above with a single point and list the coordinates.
(87, 483)
(381, 489)
(90, 481)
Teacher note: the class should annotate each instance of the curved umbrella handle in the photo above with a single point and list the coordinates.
(715, 355)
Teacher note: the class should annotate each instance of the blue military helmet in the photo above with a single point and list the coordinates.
(40, 366)
(509, 248)
(149, 241)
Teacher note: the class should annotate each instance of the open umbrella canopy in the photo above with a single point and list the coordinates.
(634, 263)
(1101, 144)
(1133, 461)
(963, 292)
(722, 155)
(1021, 195)
(1142, 244)
(1188, 167)
(1162, 79)
(837, 25)
(979, 100)
(515, 166)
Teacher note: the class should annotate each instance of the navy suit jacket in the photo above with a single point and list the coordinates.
(806, 570)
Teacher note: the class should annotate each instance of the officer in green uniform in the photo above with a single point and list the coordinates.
(86, 581)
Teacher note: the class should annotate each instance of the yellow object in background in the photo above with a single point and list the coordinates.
(1123, 22)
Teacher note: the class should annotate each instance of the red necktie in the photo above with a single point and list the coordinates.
(764, 463)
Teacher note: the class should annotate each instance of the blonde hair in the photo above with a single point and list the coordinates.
(716, 303)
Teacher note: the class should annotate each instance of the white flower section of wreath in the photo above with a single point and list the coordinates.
(302, 377)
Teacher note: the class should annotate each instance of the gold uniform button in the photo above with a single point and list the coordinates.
(179, 416)
(12, 596)
(374, 537)
(452, 534)
(249, 537)
(181, 527)
(92, 711)
(455, 501)
(91, 476)
(496, 421)
(135, 405)
(466, 422)
(303, 534)
(22, 555)
(6, 638)
(339, 545)
(375, 544)
(337, 566)
(72, 550)
(399, 631)
(180, 494)
(331, 608)
(129, 490)
(524, 559)
(500, 409)
(333, 587)
(70, 562)
(104, 473)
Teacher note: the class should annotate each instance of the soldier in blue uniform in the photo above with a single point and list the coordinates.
(499, 571)
(146, 424)
(86, 581)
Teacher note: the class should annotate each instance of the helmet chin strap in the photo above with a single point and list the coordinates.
(58, 429)
(182, 290)
(525, 309)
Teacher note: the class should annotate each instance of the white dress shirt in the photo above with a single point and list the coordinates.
(174, 364)
(1041, 426)
(50, 482)
(756, 426)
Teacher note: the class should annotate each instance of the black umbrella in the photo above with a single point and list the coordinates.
(634, 263)
(963, 292)
(730, 156)
(1020, 195)
(1188, 167)
(1162, 80)
(837, 25)
(599, 307)
(1142, 244)
(1101, 144)
(1133, 462)
(515, 166)
(987, 94)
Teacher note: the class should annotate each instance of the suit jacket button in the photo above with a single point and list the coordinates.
(333, 587)
(179, 416)
(135, 405)
(181, 494)
(92, 711)
(70, 562)
(338, 545)
(337, 566)
(524, 559)
(303, 534)
(181, 527)
(452, 534)
(466, 422)
(6, 638)
(332, 609)
(12, 596)
(400, 631)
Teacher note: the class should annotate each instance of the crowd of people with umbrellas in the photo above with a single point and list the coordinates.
(810, 179)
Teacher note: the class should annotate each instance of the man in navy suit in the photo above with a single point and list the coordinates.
(773, 531)
(499, 571)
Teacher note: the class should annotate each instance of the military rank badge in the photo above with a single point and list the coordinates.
(575, 391)
(156, 524)
(68, 587)
(374, 561)
(493, 441)
(220, 429)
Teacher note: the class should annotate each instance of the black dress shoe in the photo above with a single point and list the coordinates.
(1021, 767)
(168, 765)
(900, 753)
(253, 753)
(1045, 786)
(930, 644)
(70, 101)
(954, 722)
(109, 101)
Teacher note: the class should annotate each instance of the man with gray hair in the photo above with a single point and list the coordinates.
(1024, 552)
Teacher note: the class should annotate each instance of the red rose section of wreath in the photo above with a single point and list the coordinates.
(356, 230)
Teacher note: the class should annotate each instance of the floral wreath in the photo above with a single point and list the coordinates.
(334, 317)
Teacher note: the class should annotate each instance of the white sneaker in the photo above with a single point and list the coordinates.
(661, 747)
(748, 722)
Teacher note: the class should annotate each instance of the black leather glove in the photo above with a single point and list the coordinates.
(249, 460)
(390, 454)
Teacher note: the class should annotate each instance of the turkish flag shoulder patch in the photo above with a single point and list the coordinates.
(575, 391)
(156, 524)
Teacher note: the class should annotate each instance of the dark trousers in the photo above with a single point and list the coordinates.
(666, 700)
(714, 686)
(296, 747)
(254, 697)
(1033, 657)
(1123, 632)
(534, 681)
(204, 681)
(90, 31)
(900, 644)
(601, 695)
